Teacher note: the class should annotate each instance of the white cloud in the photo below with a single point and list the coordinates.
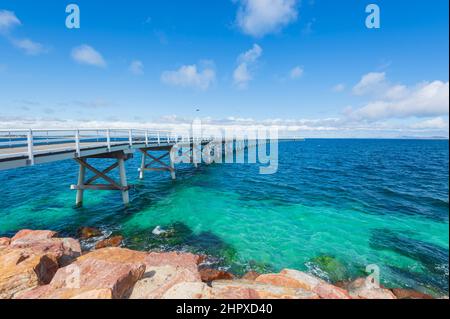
(242, 74)
(190, 76)
(369, 83)
(136, 67)
(434, 123)
(260, 17)
(8, 20)
(86, 54)
(338, 87)
(424, 100)
(29, 47)
(296, 72)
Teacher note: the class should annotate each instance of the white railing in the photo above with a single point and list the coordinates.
(33, 142)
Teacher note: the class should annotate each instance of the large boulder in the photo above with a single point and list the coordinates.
(159, 279)
(24, 269)
(116, 269)
(260, 290)
(174, 259)
(297, 279)
(48, 292)
(65, 250)
(363, 289)
(188, 290)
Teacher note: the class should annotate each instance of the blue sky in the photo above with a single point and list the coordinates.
(309, 66)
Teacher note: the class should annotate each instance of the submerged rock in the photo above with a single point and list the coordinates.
(158, 231)
(332, 267)
(208, 275)
(89, 232)
(251, 275)
(115, 241)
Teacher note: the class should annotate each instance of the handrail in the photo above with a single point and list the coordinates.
(29, 142)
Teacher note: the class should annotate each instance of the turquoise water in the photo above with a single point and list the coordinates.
(334, 207)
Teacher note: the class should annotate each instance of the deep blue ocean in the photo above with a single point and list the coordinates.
(334, 207)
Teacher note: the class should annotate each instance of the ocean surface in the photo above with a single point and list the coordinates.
(333, 207)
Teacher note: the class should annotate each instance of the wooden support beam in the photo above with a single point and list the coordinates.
(156, 160)
(121, 186)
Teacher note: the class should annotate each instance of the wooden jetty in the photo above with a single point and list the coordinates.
(20, 148)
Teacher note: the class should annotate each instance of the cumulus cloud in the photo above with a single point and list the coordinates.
(426, 99)
(29, 47)
(296, 72)
(86, 54)
(191, 76)
(8, 20)
(260, 17)
(243, 74)
(370, 83)
(136, 67)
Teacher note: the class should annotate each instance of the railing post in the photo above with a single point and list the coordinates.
(77, 143)
(108, 140)
(30, 147)
(146, 138)
(130, 137)
(159, 139)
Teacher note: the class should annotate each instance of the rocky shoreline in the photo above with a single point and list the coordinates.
(36, 264)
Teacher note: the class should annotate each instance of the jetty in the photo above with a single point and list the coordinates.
(21, 148)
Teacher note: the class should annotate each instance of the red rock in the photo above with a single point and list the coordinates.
(89, 232)
(262, 290)
(47, 292)
(361, 289)
(327, 291)
(116, 269)
(26, 235)
(230, 293)
(115, 241)
(43, 241)
(279, 280)
(158, 280)
(175, 259)
(251, 275)
(410, 294)
(208, 275)
(22, 269)
(4, 242)
(188, 290)
(311, 283)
